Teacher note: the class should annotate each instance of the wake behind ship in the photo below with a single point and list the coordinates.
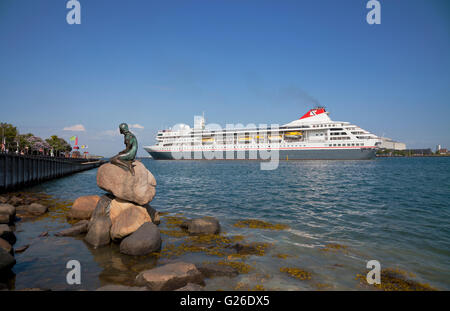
(312, 137)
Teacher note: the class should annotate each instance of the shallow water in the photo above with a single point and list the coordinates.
(394, 210)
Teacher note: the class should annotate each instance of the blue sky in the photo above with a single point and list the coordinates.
(158, 63)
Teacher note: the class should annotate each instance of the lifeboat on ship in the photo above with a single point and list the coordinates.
(245, 139)
(293, 135)
(207, 140)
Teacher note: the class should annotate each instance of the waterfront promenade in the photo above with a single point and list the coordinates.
(17, 171)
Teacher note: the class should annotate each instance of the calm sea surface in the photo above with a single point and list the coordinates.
(394, 210)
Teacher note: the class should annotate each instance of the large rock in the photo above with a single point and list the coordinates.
(83, 207)
(7, 261)
(78, 229)
(5, 245)
(126, 218)
(5, 219)
(170, 277)
(98, 234)
(139, 188)
(145, 240)
(102, 208)
(7, 234)
(204, 225)
(7, 213)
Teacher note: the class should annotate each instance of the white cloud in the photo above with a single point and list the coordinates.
(75, 128)
(111, 132)
(136, 126)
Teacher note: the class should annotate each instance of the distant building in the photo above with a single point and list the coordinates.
(443, 151)
(438, 148)
(387, 143)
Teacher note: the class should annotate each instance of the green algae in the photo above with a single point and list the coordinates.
(282, 256)
(297, 273)
(396, 280)
(239, 266)
(259, 224)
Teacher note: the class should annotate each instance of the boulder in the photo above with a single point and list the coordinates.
(98, 234)
(5, 219)
(210, 270)
(143, 241)
(191, 288)
(127, 221)
(5, 245)
(77, 229)
(139, 188)
(170, 276)
(7, 209)
(7, 261)
(7, 213)
(204, 225)
(102, 208)
(83, 207)
(7, 234)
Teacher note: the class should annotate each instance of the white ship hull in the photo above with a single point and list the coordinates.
(312, 137)
(261, 154)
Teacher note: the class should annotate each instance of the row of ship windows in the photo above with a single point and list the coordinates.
(343, 145)
(329, 145)
(326, 125)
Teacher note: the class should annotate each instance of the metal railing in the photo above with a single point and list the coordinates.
(18, 171)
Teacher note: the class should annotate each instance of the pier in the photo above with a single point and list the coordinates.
(17, 171)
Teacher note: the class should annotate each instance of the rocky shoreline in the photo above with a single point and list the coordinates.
(121, 221)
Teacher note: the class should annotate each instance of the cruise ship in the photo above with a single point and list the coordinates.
(312, 137)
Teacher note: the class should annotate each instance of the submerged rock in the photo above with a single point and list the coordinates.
(83, 207)
(139, 188)
(215, 269)
(145, 240)
(98, 234)
(253, 248)
(120, 288)
(34, 209)
(191, 288)
(204, 225)
(22, 248)
(77, 229)
(170, 276)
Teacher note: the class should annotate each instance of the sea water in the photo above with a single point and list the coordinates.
(393, 210)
